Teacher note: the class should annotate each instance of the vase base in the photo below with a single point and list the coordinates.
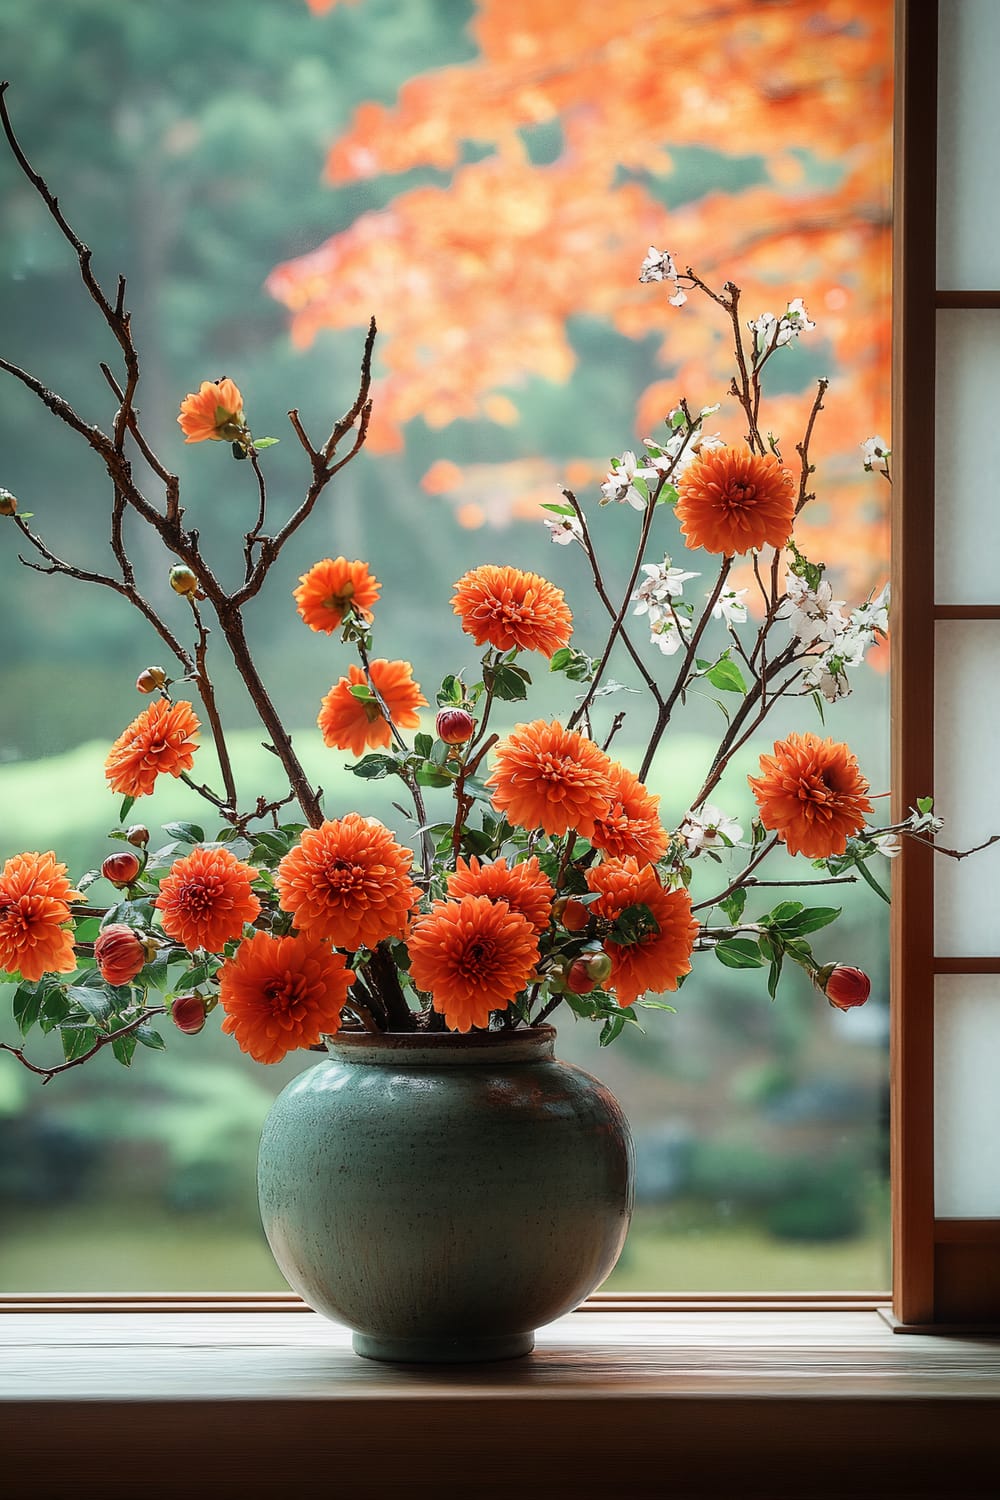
(444, 1350)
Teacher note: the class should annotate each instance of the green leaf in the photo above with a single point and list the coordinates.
(817, 699)
(127, 805)
(784, 910)
(669, 495)
(123, 1048)
(510, 684)
(95, 1002)
(580, 1005)
(774, 974)
(811, 920)
(185, 833)
(560, 510)
(261, 443)
(76, 1041)
(449, 692)
(374, 767)
(561, 659)
(739, 953)
(362, 692)
(27, 1005)
(727, 677)
(925, 804)
(657, 1005)
(633, 924)
(439, 752)
(55, 1008)
(150, 1038)
(422, 745)
(433, 778)
(869, 878)
(612, 1030)
(734, 904)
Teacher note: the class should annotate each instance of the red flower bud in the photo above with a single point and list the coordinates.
(138, 835)
(454, 726)
(188, 1014)
(8, 505)
(121, 869)
(846, 987)
(119, 953)
(150, 679)
(579, 978)
(598, 965)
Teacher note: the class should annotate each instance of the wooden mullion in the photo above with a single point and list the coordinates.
(982, 300)
(912, 1037)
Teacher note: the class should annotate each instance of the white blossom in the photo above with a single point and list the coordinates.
(873, 615)
(564, 529)
(924, 822)
(619, 484)
(709, 828)
(874, 448)
(814, 615)
(826, 675)
(772, 333)
(888, 844)
(674, 456)
(661, 585)
(669, 632)
(730, 607)
(659, 266)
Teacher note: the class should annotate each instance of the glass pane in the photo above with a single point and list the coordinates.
(968, 144)
(966, 734)
(967, 533)
(966, 1097)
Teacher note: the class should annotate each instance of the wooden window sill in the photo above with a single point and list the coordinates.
(635, 1397)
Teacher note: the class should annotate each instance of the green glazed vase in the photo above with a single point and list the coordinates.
(445, 1195)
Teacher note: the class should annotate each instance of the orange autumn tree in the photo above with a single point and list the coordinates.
(474, 281)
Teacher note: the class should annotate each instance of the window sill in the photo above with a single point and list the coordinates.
(644, 1396)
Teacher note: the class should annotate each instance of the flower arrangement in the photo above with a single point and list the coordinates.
(551, 878)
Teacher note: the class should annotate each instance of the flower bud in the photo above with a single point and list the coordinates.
(573, 915)
(845, 987)
(138, 835)
(598, 965)
(184, 581)
(579, 978)
(454, 726)
(121, 869)
(119, 953)
(8, 505)
(150, 679)
(188, 1014)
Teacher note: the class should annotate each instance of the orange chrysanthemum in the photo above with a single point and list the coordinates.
(733, 500)
(282, 993)
(214, 411)
(348, 881)
(508, 608)
(354, 724)
(525, 887)
(658, 960)
(206, 898)
(631, 825)
(553, 778)
(34, 906)
(811, 793)
(472, 957)
(331, 588)
(161, 741)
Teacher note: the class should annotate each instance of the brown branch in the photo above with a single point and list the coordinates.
(757, 859)
(47, 1074)
(206, 689)
(802, 449)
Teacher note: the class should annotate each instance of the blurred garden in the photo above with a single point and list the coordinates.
(484, 178)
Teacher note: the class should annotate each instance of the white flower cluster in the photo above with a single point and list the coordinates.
(874, 448)
(620, 483)
(709, 828)
(668, 628)
(660, 459)
(770, 333)
(564, 529)
(659, 266)
(840, 641)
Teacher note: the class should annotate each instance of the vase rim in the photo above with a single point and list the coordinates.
(443, 1048)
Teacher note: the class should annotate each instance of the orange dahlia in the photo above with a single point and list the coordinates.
(282, 993)
(525, 887)
(631, 825)
(471, 956)
(160, 741)
(206, 898)
(34, 906)
(658, 960)
(508, 608)
(331, 588)
(214, 411)
(348, 881)
(354, 724)
(549, 777)
(812, 794)
(733, 500)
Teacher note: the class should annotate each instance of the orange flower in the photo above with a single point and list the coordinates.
(631, 825)
(812, 794)
(215, 411)
(733, 500)
(658, 960)
(509, 608)
(160, 741)
(525, 888)
(472, 957)
(331, 588)
(350, 723)
(206, 898)
(34, 906)
(282, 993)
(348, 881)
(552, 778)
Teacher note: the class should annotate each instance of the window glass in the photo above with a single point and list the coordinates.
(485, 178)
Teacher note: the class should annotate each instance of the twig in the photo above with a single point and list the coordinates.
(47, 1074)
